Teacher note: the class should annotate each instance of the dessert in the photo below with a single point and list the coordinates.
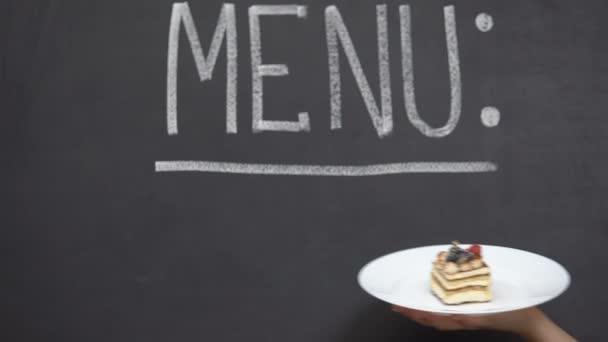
(461, 276)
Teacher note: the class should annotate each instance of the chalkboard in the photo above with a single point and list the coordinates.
(210, 171)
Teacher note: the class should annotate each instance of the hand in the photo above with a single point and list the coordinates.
(530, 323)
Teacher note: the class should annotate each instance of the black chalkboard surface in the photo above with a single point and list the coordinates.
(209, 171)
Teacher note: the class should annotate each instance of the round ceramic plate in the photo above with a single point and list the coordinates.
(520, 279)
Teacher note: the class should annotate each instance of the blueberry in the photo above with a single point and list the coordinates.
(459, 256)
(467, 256)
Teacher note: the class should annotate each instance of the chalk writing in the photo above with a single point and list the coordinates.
(338, 41)
(260, 70)
(226, 26)
(337, 30)
(408, 74)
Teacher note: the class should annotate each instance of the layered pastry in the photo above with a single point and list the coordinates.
(461, 276)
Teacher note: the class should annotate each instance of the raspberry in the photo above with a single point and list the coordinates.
(475, 249)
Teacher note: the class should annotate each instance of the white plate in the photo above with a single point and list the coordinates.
(520, 279)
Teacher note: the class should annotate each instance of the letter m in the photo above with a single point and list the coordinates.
(226, 27)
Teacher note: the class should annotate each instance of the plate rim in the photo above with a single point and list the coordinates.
(454, 309)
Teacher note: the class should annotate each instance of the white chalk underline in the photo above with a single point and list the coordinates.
(325, 170)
